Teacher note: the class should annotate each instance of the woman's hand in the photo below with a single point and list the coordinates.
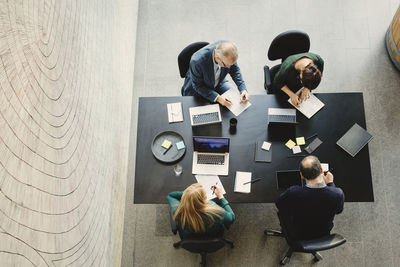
(295, 99)
(305, 94)
(218, 191)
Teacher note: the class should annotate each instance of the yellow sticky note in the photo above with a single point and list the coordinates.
(300, 141)
(290, 144)
(166, 144)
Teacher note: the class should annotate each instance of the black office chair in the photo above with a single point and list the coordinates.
(185, 55)
(201, 245)
(285, 44)
(308, 246)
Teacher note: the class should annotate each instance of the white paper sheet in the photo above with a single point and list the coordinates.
(207, 181)
(241, 178)
(234, 96)
(309, 106)
(175, 112)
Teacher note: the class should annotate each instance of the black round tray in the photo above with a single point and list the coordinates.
(173, 154)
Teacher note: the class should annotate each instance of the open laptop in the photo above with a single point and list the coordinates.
(205, 115)
(282, 115)
(210, 155)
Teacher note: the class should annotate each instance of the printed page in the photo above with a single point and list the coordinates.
(234, 96)
(207, 181)
(309, 106)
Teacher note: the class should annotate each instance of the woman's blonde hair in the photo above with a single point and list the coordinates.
(195, 211)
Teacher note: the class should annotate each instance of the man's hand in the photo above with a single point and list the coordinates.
(244, 97)
(223, 101)
(328, 177)
(295, 99)
(305, 94)
(218, 191)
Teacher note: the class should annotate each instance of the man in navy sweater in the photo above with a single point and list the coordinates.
(307, 212)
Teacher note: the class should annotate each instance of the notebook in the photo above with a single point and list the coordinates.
(207, 181)
(175, 112)
(234, 96)
(241, 178)
(309, 106)
(261, 155)
(354, 139)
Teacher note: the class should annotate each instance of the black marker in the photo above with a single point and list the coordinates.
(167, 149)
(252, 181)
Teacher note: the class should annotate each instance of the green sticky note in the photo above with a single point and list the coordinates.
(180, 145)
(166, 144)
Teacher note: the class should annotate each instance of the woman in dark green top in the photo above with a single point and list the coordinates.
(196, 216)
(297, 71)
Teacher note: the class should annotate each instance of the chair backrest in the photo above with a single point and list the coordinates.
(186, 54)
(288, 43)
(202, 245)
(323, 243)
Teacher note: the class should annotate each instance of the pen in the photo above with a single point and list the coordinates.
(167, 149)
(325, 172)
(252, 181)
(312, 136)
(298, 155)
(226, 99)
(213, 188)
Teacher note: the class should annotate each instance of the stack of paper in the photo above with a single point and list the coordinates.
(208, 181)
(175, 112)
(309, 106)
(241, 178)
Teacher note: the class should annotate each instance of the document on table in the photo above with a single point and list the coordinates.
(240, 180)
(175, 112)
(236, 107)
(207, 181)
(309, 106)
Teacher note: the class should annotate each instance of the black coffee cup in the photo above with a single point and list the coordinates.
(233, 123)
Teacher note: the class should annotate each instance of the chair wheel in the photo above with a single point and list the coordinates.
(232, 245)
(176, 245)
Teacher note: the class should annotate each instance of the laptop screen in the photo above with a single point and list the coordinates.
(211, 144)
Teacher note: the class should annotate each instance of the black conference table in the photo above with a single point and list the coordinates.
(154, 179)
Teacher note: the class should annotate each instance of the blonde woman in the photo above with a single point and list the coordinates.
(195, 215)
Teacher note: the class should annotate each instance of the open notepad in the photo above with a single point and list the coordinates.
(241, 178)
(175, 112)
(309, 106)
(207, 181)
(234, 96)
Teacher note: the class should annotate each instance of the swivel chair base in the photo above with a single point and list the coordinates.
(204, 254)
(289, 252)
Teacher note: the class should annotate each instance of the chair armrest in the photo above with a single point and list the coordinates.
(267, 78)
(174, 228)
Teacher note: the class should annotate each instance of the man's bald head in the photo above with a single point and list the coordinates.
(227, 50)
(310, 167)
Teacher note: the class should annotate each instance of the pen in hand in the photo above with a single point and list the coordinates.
(213, 188)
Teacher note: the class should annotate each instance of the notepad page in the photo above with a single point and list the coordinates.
(234, 96)
(207, 181)
(309, 106)
(241, 178)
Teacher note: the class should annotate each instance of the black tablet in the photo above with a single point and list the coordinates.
(286, 179)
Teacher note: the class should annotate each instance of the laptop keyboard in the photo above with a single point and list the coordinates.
(282, 118)
(210, 159)
(205, 118)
